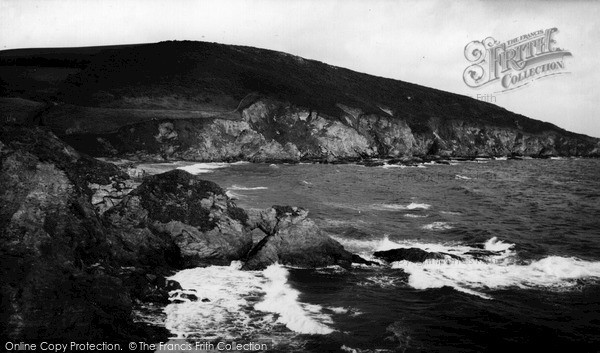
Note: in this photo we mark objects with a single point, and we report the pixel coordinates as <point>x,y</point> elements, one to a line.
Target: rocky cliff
<point>212,102</point>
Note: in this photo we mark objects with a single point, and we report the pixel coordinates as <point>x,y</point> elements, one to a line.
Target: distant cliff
<point>212,102</point>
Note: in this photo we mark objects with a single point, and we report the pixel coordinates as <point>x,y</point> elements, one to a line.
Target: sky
<point>416,41</point>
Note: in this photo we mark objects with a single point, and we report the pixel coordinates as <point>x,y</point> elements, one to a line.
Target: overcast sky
<point>417,41</point>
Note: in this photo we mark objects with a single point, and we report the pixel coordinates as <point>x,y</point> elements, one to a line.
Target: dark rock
<point>356,259</point>
<point>172,285</point>
<point>205,300</point>
<point>372,163</point>
<point>149,288</point>
<point>58,278</point>
<point>412,255</point>
<point>481,254</point>
<point>189,296</point>
<point>293,239</point>
<point>178,219</point>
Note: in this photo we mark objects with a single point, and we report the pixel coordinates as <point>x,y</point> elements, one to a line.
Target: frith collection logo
<point>516,62</point>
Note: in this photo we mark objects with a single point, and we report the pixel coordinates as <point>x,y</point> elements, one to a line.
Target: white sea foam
<point>229,290</point>
<point>388,207</point>
<point>380,281</point>
<point>241,303</point>
<point>395,207</point>
<point>437,226</point>
<point>461,177</point>
<point>414,215</point>
<point>280,298</point>
<point>471,276</point>
<point>234,195</point>
<point>499,270</point>
<point>414,206</point>
<point>202,168</point>
<point>242,188</point>
<point>338,310</point>
<point>384,243</point>
<point>493,244</point>
<point>388,166</point>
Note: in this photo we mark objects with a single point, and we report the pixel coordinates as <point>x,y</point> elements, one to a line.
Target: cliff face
<point>212,102</point>
<point>270,130</point>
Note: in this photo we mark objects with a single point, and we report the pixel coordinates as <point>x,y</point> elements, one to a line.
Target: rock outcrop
<point>293,239</point>
<point>182,219</point>
<point>58,279</point>
<point>413,255</point>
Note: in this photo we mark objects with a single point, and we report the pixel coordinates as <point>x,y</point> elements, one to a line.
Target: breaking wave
<point>233,303</point>
<point>438,226</point>
<point>492,265</point>
<point>394,207</point>
<point>203,168</point>
<point>242,188</point>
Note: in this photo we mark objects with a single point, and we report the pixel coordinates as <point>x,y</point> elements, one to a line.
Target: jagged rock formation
<point>211,102</point>
<point>178,211</point>
<point>293,239</point>
<point>58,278</point>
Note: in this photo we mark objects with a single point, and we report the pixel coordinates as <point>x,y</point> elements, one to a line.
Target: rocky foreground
<point>82,245</point>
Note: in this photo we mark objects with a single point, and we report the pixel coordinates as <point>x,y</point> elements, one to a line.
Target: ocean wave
<point>280,298</point>
<point>470,276</point>
<point>414,215</point>
<point>415,206</point>
<point>240,304</point>
<point>242,188</point>
<point>380,281</point>
<point>394,207</point>
<point>338,310</point>
<point>451,213</point>
<point>229,292</point>
<point>202,168</point>
<point>493,244</point>
<point>498,268</point>
<point>461,177</point>
<point>388,166</point>
<point>437,226</point>
<point>233,195</point>
<point>385,243</point>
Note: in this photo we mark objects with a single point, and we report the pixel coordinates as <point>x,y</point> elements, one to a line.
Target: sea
<point>537,289</point>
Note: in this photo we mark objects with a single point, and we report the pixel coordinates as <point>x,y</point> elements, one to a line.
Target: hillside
<point>208,101</point>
